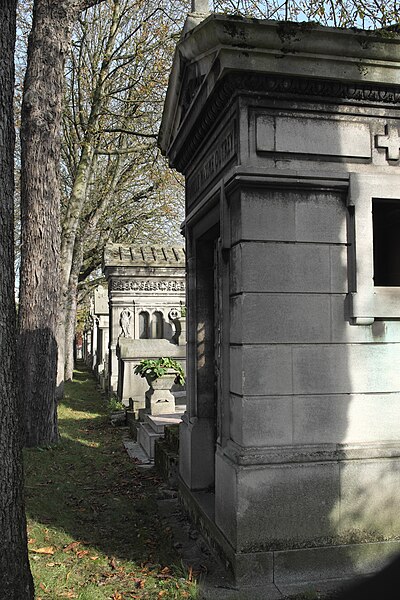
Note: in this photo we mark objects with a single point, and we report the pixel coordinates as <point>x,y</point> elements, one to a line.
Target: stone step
<point>159,422</point>
<point>147,438</point>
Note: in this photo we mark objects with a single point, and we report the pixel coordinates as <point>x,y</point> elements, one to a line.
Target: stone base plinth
<point>152,429</point>
<point>290,567</point>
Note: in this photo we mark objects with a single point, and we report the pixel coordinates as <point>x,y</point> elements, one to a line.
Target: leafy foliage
<point>115,180</point>
<point>154,368</point>
<point>114,404</point>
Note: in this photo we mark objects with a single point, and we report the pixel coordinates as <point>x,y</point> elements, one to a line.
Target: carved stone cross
<point>200,6</point>
<point>390,141</point>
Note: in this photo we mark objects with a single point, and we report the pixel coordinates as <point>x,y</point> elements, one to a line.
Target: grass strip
<point>93,526</point>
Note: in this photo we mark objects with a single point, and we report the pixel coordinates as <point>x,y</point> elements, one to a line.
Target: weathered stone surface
<point>261,370</point>
<point>294,392</point>
<point>359,368</point>
<point>346,418</point>
<point>280,318</point>
<point>300,216</point>
<point>261,507</point>
<point>274,267</point>
<point>196,462</point>
<point>313,136</point>
<point>261,421</point>
<point>327,563</point>
<point>369,491</point>
<point>101,301</point>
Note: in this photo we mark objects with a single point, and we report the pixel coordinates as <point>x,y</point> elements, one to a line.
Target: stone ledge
<point>353,560</point>
<point>308,453</point>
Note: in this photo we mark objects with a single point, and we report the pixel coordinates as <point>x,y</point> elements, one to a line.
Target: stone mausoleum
<point>100,334</point>
<point>146,288</point>
<point>288,137</point>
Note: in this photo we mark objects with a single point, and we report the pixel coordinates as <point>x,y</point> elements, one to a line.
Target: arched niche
<point>144,325</point>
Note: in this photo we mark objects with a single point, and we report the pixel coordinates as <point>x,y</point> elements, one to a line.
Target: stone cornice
<point>280,87</point>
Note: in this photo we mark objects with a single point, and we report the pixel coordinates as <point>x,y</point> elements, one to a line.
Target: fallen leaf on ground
<point>82,553</point>
<point>43,587</point>
<point>31,541</point>
<point>71,546</point>
<point>47,550</point>
<point>116,596</point>
<point>93,557</point>
<point>140,583</point>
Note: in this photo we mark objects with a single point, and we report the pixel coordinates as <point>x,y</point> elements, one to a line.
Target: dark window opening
<point>144,325</point>
<point>157,326</point>
<point>386,236</point>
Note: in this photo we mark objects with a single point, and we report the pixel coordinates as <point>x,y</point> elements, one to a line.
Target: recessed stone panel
<point>265,132</point>
<point>321,137</point>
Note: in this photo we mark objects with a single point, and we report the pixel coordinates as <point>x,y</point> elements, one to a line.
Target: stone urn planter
<point>159,399</point>
<point>161,374</point>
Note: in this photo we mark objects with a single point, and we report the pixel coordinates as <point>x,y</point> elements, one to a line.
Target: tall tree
<point>41,115</point>
<point>16,580</point>
<point>115,182</point>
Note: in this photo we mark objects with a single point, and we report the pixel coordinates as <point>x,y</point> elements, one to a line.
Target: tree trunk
<point>71,307</point>
<point>16,580</point>
<point>70,333</point>
<point>40,217</point>
<point>42,297</point>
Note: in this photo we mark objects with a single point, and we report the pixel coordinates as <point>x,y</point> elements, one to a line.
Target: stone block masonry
<point>288,137</point>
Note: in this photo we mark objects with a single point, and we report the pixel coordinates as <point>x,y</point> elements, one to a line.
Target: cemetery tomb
<point>146,287</point>
<point>288,138</point>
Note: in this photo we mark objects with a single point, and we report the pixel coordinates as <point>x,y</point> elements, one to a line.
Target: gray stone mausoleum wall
<point>288,137</point>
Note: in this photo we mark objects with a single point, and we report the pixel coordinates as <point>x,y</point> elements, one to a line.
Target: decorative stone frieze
<point>133,285</point>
